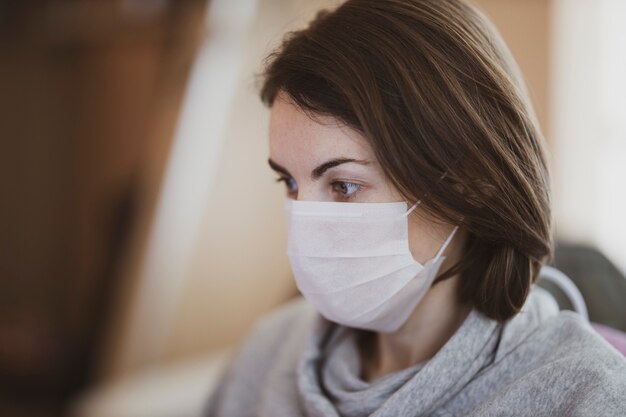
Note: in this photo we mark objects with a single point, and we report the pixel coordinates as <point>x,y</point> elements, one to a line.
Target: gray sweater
<point>540,363</point>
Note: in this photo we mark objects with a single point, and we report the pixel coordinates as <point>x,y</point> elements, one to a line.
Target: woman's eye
<point>346,189</point>
<point>290,183</point>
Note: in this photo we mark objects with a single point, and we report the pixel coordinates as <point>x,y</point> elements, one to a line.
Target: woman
<point>419,217</point>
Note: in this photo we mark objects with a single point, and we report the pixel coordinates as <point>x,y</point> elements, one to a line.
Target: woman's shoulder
<point>573,337</point>
<point>569,362</point>
<point>583,352</point>
<point>542,329</point>
<point>279,332</point>
<point>294,313</point>
<point>566,338</point>
<point>270,351</point>
<point>557,358</point>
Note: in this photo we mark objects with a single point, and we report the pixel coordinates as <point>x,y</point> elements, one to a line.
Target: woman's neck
<point>431,324</point>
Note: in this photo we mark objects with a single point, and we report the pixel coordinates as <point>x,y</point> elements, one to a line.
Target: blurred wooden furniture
<point>89,94</point>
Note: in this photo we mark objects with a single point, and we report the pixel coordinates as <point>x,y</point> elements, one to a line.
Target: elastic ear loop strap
<point>447,242</point>
<point>411,209</point>
<point>419,201</point>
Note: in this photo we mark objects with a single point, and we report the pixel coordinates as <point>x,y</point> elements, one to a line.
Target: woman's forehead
<point>296,138</point>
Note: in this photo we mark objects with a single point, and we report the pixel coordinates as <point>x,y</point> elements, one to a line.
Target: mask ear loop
<point>411,209</point>
<point>419,201</point>
<point>447,242</point>
<point>449,238</point>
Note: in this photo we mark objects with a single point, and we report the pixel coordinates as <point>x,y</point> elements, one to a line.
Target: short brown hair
<point>432,87</point>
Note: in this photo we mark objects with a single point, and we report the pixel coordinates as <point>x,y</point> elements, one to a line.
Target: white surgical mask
<point>352,261</point>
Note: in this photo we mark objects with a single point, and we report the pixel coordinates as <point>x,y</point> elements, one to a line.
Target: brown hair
<point>432,87</point>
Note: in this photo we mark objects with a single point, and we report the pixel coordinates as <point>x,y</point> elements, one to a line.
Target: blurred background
<point>141,231</point>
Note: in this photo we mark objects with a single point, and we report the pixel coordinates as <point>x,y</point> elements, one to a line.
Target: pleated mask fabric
<point>352,261</point>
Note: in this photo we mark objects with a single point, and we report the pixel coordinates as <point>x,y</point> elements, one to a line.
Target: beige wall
<point>240,270</point>
<point>525,27</point>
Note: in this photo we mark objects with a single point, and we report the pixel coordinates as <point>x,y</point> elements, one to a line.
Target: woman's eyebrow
<point>321,169</point>
<point>278,168</point>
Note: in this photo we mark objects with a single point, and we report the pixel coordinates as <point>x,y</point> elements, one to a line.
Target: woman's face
<point>323,160</point>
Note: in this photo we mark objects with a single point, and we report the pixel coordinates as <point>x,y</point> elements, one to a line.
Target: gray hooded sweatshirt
<point>542,362</point>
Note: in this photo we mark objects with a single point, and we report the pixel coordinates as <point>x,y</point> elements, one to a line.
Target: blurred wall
<point>187,303</point>
<point>589,128</point>
<point>240,269</point>
<point>526,26</point>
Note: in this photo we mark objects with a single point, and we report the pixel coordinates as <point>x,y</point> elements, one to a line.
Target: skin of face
<point>298,145</point>
<point>301,144</point>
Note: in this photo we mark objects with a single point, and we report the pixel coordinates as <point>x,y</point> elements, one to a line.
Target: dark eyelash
<point>285,179</point>
<point>282,179</point>
<point>334,184</point>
